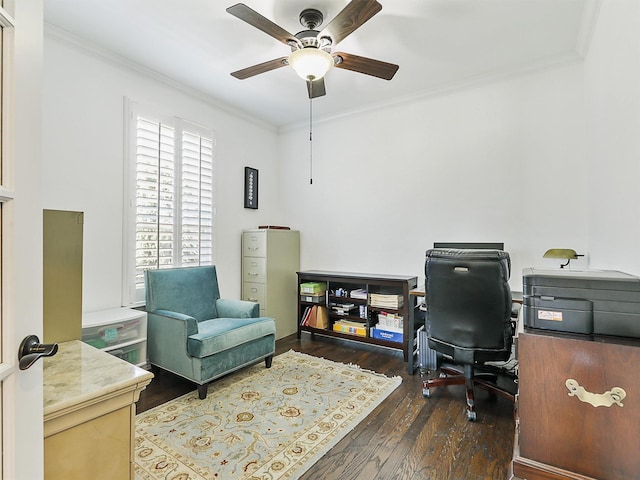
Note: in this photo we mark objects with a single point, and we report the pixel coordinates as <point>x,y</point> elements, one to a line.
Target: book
<point>390,320</point>
<point>360,293</point>
<point>343,308</point>
<point>305,316</point>
<point>317,317</point>
<point>381,300</point>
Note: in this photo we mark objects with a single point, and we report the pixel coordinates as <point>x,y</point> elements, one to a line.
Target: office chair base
<point>452,376</point>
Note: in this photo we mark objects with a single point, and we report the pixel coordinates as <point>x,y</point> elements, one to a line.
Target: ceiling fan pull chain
<point>311,134</point>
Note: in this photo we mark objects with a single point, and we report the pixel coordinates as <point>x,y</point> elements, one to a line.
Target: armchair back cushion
<point>191,291</point>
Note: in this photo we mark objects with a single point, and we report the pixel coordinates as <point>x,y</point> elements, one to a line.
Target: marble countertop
<point>80,373</point>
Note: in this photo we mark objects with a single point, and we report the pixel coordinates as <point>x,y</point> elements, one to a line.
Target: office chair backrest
<point>469,304</point>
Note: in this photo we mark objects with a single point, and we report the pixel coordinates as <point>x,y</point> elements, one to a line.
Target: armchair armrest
<point>237,308</point>
<point>167,336</point>
<point>182,325</point>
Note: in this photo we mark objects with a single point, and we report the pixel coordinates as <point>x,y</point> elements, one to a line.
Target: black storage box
<point>600,302</point>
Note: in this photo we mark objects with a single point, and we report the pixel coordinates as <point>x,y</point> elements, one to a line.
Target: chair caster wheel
<point>471,416</point>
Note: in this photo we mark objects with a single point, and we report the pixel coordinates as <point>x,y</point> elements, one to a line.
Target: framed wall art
<point>250,188</point>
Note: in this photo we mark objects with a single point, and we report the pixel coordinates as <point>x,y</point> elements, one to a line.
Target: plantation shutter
<point>155,196</point>
<point>174,198</point>
<point>197,200</point>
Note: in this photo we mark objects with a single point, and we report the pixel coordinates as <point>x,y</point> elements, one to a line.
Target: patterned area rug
<point>258,423</point>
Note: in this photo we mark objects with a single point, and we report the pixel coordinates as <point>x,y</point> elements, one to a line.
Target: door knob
<point>31,350</point>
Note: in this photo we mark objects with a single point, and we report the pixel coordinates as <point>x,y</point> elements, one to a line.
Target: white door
<point>20,236</point>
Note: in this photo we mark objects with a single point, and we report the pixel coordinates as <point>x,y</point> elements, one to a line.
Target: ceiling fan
<point>311,50</point>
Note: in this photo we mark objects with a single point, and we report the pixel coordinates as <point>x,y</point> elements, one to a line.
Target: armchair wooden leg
<point>268,360</point>
<point>202,391</point>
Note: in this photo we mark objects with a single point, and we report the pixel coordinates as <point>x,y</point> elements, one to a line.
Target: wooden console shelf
<point>365,312</point>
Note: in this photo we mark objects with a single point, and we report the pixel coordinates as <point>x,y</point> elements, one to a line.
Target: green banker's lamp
<point>566,253</point>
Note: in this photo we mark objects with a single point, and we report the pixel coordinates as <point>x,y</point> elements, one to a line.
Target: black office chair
<point>468,317</point>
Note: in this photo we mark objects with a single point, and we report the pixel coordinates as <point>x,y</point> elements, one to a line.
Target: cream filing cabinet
<point>270,262</point>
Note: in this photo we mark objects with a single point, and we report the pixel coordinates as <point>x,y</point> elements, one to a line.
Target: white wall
<point>498,162</point>
<point>613,140</point>
<point>544,160</point>
<point>83,161</point>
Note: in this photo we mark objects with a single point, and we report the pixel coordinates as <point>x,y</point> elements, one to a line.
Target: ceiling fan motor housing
<point>308,39</point>
<point>311,18</point>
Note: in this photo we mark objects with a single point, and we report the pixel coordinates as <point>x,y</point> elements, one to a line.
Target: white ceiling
<point>438,44</point>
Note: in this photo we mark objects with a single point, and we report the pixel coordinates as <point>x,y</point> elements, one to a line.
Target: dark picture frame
<point>250,187</point>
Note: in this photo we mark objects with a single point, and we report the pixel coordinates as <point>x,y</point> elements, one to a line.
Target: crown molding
<point>108,56</point>
<point>444,89</point>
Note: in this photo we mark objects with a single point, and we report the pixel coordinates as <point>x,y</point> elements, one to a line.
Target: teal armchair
<point>194,333</point>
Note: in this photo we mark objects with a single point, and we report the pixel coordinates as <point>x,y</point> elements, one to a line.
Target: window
<point>171,197</point>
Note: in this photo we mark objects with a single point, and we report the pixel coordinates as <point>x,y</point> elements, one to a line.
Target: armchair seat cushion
<point>220,334</point>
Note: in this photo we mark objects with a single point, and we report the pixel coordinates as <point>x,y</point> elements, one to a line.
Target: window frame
<point>133,295</point>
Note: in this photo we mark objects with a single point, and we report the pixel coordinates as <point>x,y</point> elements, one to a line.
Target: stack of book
<point>390,320</point>
<point>343,308</point>
<point>360,293</point>
<point>382,300</point>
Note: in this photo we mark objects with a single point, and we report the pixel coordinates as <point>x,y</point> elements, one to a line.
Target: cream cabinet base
<point>89,414</point>
<point>98,449</point>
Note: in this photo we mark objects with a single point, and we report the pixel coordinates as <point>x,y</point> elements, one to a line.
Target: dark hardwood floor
<point>407,436</point>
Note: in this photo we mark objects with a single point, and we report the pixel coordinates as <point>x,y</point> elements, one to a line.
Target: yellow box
<point>350,328</point>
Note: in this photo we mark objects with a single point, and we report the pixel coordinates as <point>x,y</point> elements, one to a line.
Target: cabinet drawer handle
<point>253,274</point>
<point>606,399</point>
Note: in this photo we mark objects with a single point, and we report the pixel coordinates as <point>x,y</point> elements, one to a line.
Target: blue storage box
<point>387,335</point>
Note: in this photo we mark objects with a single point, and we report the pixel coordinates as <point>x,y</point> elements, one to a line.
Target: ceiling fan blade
<point>316,88</point>
<point>260,68</point>
<point>253,18</point>
<point>368,66</point>
<point>356,13</point>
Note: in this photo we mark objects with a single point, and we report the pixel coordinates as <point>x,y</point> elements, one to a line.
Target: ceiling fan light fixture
<point>311,63</point>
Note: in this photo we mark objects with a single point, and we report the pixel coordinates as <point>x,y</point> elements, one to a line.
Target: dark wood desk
<point>560,434</point>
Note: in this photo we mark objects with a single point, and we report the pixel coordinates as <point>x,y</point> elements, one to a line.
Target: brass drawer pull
<point>606,399</point>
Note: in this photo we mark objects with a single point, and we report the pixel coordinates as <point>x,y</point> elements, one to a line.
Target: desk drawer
<point>558,378</point>
<point>254,270</point>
